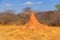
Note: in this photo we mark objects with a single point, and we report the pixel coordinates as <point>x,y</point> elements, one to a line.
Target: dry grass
<point>17,33</point>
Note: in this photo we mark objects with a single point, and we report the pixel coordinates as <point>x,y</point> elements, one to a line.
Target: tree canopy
<point>58,7</point>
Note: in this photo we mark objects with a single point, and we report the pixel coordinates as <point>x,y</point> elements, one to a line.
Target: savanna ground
<point>17,33</point>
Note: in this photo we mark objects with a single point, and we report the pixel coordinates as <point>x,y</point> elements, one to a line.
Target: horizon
<point>18,5</point>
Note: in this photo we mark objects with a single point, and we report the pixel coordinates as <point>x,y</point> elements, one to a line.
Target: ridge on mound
<point>33,23</point>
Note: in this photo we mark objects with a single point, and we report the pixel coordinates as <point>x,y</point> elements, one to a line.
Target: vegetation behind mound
<point>9,17</point>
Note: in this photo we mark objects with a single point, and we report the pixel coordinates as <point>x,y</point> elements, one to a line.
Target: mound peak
<point>33,23</point>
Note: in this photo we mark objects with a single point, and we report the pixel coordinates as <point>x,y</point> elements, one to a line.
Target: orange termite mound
<point>33,23</point>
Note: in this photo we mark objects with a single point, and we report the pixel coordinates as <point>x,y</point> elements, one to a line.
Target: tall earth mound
<point>33,23</point>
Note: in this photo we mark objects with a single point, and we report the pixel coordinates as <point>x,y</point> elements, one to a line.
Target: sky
<point>19,5</point>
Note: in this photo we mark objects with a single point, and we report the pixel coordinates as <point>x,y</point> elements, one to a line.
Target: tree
<point>58,7</point>
<point>27,9</point>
